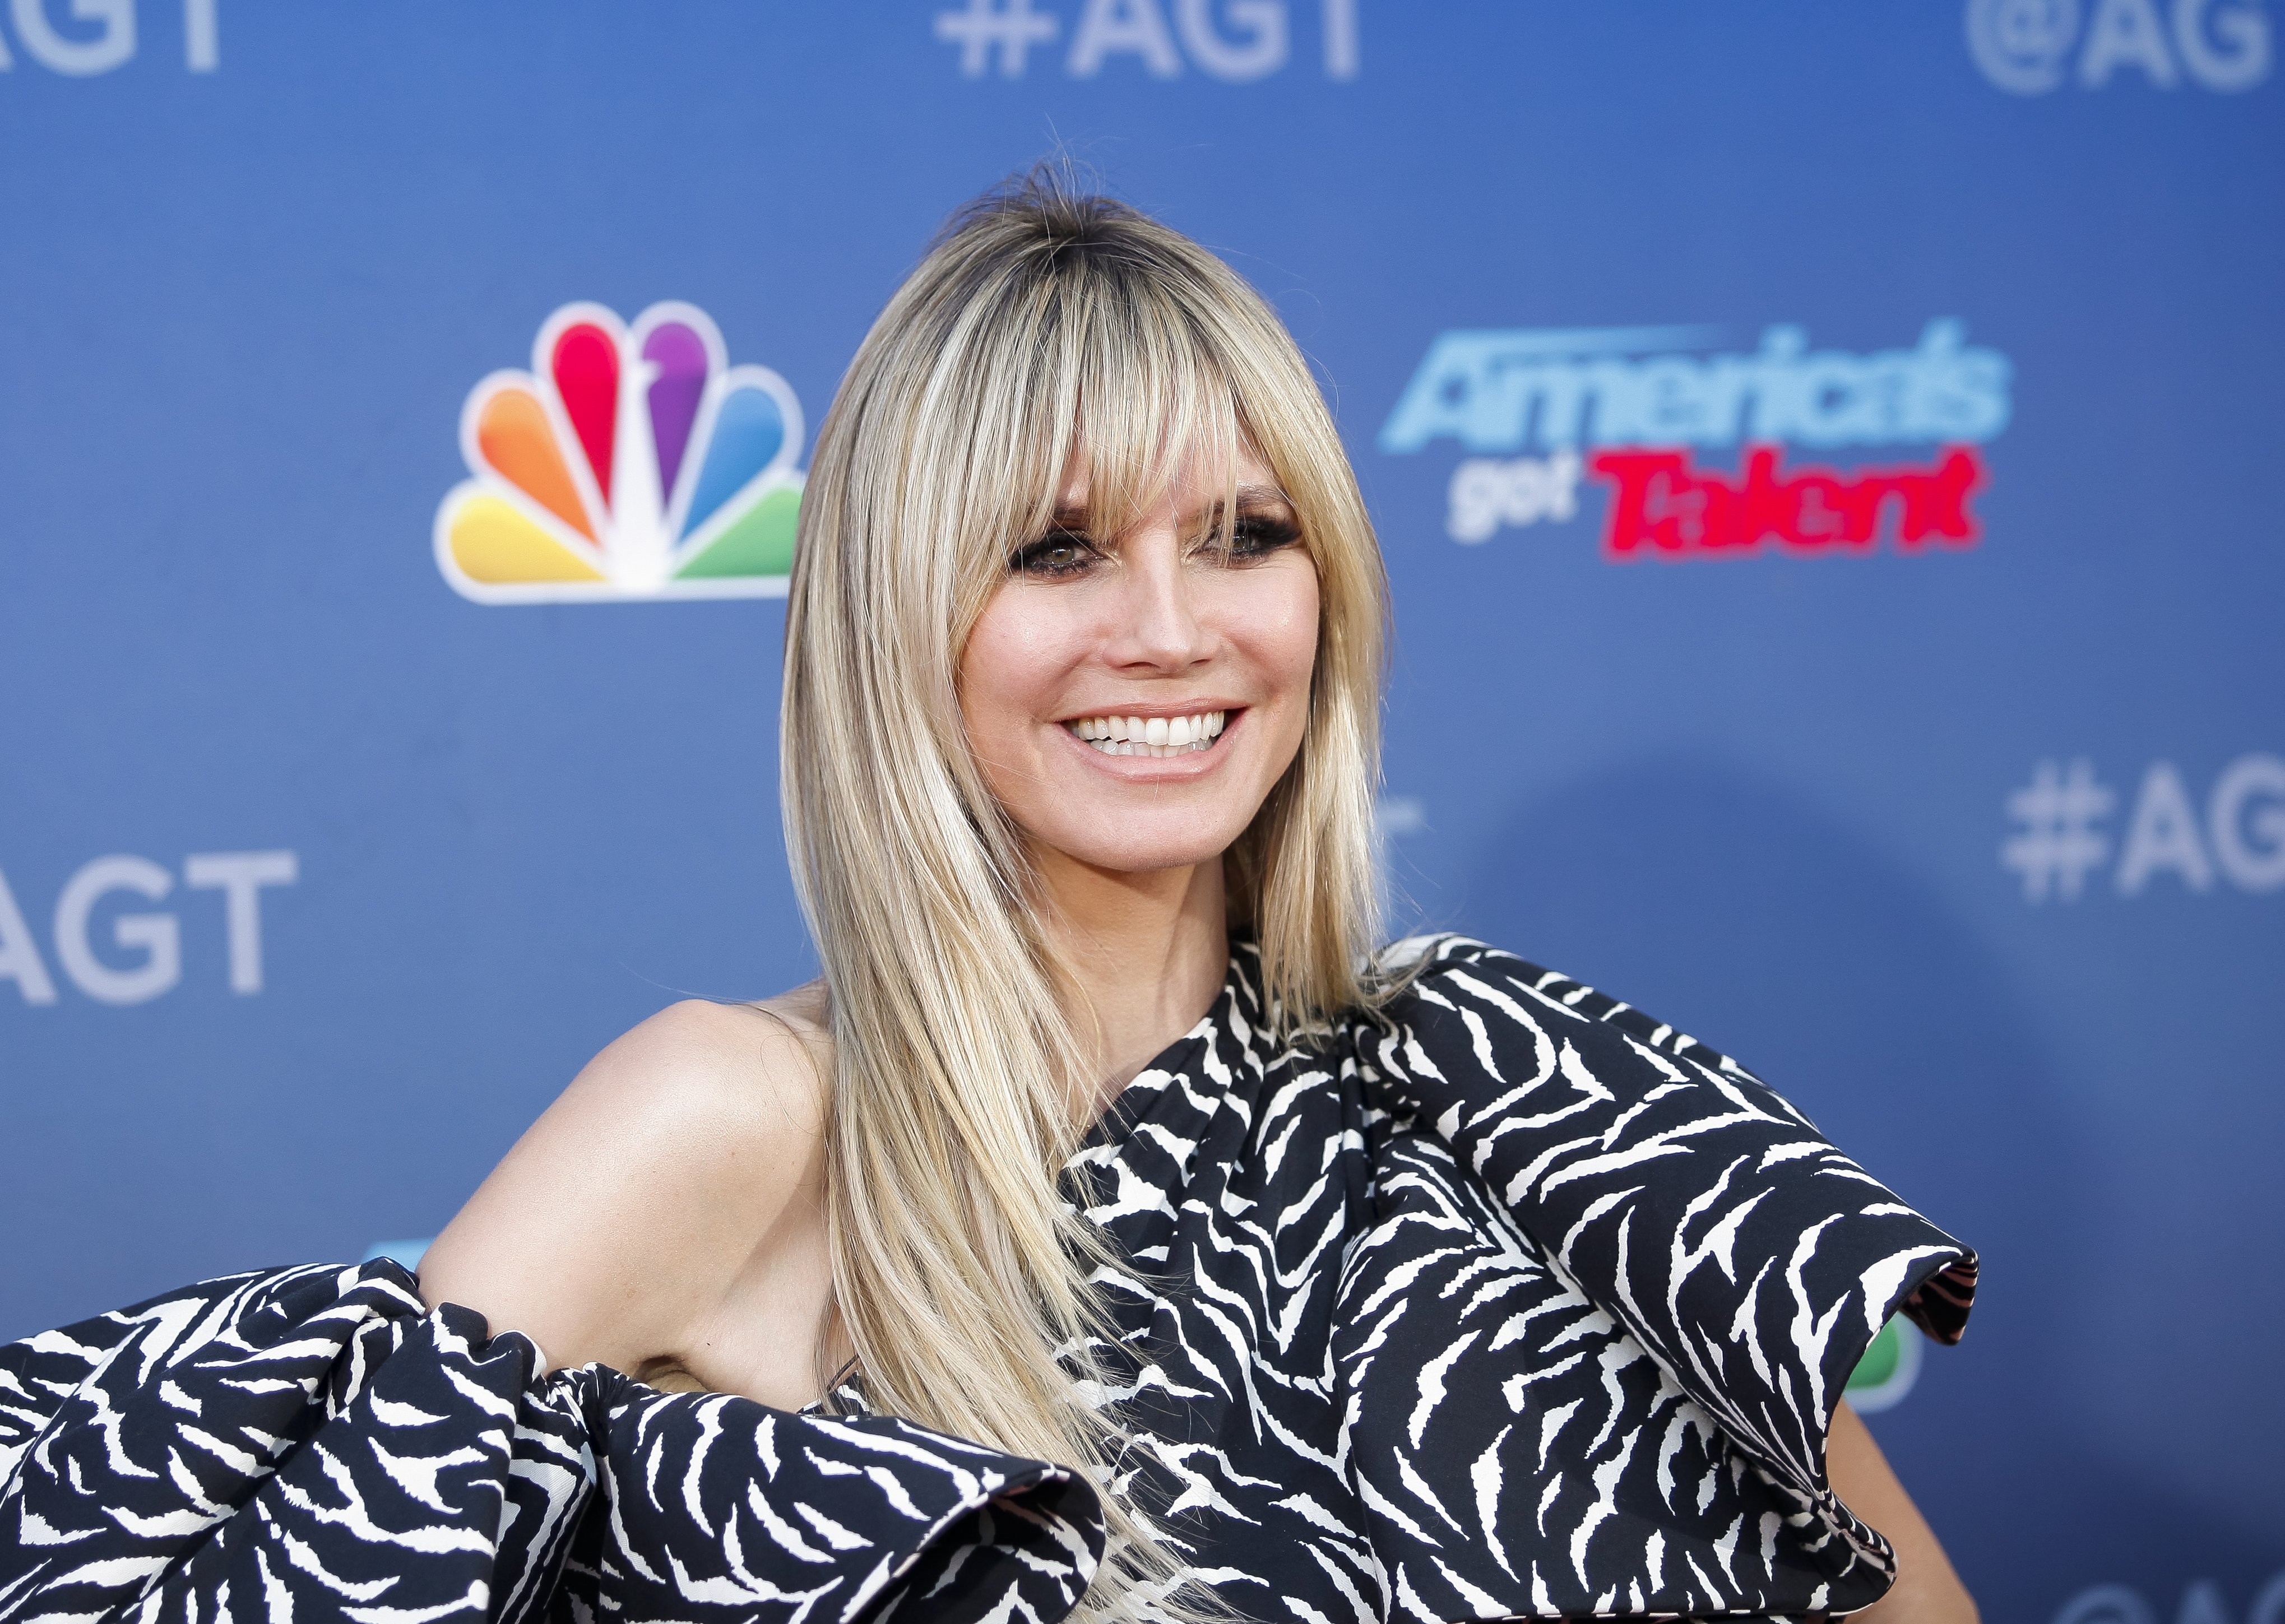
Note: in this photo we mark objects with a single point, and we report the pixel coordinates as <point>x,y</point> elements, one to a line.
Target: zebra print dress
<point>1513,1302</point>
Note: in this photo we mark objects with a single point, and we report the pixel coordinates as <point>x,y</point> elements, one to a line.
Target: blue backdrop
<point>1825,454</point>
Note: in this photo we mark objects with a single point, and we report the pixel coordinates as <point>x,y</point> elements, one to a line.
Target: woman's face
<point>1132,698</point>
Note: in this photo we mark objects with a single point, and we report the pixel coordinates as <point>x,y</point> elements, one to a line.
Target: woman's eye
<point>1255,537</point>
<point>1054,555</point>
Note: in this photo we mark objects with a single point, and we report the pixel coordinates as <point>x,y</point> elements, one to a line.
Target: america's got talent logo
<point>1637,408</point>
<point>631,462</point>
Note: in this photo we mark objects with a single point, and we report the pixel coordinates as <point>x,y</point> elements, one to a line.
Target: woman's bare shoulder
<point>619,1222</point>
<point>703,1066</point>
<point>700,1085</point>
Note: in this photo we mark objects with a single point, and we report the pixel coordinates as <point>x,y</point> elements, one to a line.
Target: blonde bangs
<point>1092,360</point>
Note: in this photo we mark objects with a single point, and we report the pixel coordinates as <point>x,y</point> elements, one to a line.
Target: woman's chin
<point>1141,851</point>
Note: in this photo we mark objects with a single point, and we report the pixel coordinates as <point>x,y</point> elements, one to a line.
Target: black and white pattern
<point>1514,1302</point>
<point>314,1443</point>
<point>1524,1304</point>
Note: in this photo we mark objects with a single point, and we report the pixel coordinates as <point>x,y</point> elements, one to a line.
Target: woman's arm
<point>1927,1590</point>
<point>666,1211</point>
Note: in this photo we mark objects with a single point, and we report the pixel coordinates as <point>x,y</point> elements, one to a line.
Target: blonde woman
<point>1111,1231</point>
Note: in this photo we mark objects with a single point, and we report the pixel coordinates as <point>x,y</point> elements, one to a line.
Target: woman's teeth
<point>1158,736</point>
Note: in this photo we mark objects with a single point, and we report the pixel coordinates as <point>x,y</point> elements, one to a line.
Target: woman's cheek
<point>1008,665</point>
<point>1293,652</point>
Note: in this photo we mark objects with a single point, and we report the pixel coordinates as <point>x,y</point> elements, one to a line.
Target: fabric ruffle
<point>315,1442</point>
<point>1671,1248</point>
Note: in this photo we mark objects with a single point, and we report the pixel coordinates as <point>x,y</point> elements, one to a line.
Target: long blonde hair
<point>1042,320</point>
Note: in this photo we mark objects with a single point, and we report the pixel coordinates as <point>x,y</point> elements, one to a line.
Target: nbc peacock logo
<point>631,462</point>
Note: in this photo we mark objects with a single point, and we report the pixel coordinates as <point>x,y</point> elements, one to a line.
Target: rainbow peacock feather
<point>631,462</point>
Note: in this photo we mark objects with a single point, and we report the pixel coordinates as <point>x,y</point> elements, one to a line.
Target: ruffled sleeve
<point>317,1440</point>
<point>1674,1190</point>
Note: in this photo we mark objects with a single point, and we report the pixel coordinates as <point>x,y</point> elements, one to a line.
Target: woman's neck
<point>1146,952</point>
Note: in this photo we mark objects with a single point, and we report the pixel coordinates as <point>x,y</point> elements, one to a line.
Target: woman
<point>1107,1194</point>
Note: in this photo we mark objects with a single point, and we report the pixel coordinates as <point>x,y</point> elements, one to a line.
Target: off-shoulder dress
<point>1511,1301</point>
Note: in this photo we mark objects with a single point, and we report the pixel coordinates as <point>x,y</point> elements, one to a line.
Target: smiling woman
<point>1133,702</point>
<point>1117,1229</point>
<point>1190,639</point>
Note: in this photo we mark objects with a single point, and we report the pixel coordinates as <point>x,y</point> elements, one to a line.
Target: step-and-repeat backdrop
<point>1826,456</point>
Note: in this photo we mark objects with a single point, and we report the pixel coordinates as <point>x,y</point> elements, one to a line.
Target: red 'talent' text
<point>1665,507</point>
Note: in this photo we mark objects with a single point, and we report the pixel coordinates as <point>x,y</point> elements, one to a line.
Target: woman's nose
<point>1159,619</point>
